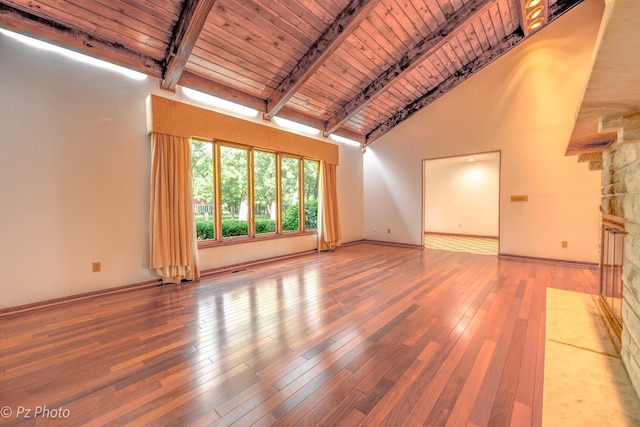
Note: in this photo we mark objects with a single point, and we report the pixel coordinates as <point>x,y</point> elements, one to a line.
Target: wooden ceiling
<point>355,68</point>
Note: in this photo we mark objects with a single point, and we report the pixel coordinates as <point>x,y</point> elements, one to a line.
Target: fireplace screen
<point>613,233</point>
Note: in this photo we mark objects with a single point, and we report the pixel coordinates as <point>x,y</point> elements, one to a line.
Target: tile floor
<point>474,245</point>
<point>585,383</point>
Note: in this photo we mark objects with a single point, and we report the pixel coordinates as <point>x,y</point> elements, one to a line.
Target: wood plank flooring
<point>368,334</point>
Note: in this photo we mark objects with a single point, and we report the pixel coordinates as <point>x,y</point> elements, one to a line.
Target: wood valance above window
<point>167,116</point>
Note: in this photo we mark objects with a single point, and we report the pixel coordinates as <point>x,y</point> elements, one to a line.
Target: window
<point>203,184</point>
<point>234,191</point>
<point>265,207</point>
<point>240,191</point>
<point>311,171</point>
<point>290,190</point>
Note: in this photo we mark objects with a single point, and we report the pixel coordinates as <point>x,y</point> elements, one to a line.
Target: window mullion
<point>217,190</point>
<point>278,193</point>
<point>251,194</point>
<point>301,216</point>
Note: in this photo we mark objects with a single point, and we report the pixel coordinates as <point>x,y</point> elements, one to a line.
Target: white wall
<point>74,180</point>
<point>350,193</point>
<point>523,105</point>
<point>461,196</point>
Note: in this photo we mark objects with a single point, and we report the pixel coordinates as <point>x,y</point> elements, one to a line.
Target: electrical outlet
<point>564,243</point>
<point>388,231</point>
<point>96,267</point>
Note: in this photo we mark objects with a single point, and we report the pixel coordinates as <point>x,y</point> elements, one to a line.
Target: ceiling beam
<point>557,10</point>
<point>560,7</point>
<point>76,40</point>
<point>192,20</point>
<point>448,84</point>
<point>205,85</point>
<point>346,21</point>
<point>210,87</point>
<point>227,93</point>
<point>411,59</point>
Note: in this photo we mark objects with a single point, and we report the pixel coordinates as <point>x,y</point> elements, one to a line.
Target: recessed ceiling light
<point>532,3</point>
<point>470,159</point>
<point>535,24</point>
<point>534,13</point>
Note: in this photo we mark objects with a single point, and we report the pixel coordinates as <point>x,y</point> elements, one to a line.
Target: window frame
<point>252,236</point>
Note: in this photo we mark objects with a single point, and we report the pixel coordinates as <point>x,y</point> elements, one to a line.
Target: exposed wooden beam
<point>561,7</point>
<point>210,87</point>
<point>76,40</point>
<point>192,20</point>
<point>305,119</point>
<point>557,10</point>
<point>207,86</point>
<point>346,21</point>
<point>451,82</point>
<point>411,59</point>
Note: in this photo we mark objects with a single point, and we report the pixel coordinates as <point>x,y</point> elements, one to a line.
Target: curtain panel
<point>329,232</point>
<point>173,244</point>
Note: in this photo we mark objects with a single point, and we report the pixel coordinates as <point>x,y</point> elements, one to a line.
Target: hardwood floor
<point>368,334</point>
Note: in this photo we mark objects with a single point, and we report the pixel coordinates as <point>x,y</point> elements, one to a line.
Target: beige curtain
<point>174,250</point>
<point>329,234</point>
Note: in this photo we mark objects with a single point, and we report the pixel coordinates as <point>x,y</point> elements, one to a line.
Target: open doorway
<point>461,203</point>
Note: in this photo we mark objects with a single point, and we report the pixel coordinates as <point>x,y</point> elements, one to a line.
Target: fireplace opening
<point>611,260</point>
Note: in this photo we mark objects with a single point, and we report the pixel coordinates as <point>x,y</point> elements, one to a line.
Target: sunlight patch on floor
<point>474,245</point>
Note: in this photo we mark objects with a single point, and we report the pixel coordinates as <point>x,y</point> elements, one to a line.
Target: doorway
<point>461,208</point>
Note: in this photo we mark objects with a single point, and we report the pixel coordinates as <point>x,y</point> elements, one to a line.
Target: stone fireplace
<point>606,133</point>
<point>621,198</point>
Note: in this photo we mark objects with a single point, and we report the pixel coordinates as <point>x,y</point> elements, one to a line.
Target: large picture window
<point>241,191</point>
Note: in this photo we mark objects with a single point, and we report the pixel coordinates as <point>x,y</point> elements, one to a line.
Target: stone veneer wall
<point>621,197</point>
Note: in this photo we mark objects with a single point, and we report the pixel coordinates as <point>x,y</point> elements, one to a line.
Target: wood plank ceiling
<point>354,68</point>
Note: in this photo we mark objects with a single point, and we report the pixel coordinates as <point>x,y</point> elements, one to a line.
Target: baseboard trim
<point>7,311</point>
<point>549,260</point>
<point>230,268</point>
<point>18,309</point>
<point>239,266</point>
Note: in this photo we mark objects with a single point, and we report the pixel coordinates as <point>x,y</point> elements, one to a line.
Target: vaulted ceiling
<point>354,68</point>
